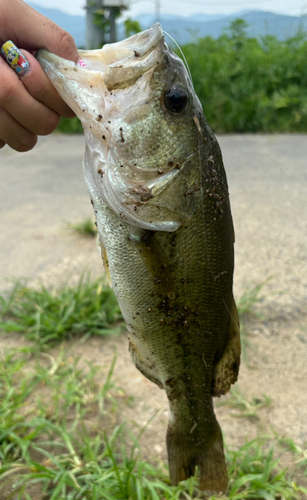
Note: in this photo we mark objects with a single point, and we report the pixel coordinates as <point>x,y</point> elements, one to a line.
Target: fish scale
<point>156,179</point>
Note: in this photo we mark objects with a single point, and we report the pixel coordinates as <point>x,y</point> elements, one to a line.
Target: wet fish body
<point>156,179</point>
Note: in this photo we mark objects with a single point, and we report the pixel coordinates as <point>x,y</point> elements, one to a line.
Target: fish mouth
<point>115,66</point>
<point>125,61</point>
<point>109,90</point>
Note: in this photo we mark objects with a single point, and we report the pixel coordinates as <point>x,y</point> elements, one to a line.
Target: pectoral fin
<point>227,368</point>
<point>155,260</point>
<point>103,255</point>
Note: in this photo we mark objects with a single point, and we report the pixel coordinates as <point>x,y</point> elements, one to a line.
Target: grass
<point>48,315</point>
<point>45,440</point>
<point>299,453</point>
<point>86,227</point>
<point>252,295</point>
<point>60,426</point>
<point>246,409</point>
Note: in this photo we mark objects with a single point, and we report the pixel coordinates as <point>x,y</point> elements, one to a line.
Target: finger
<point>30,29</point>
<point>13,134</point>
<point>34,78</point>
<point>16,100</point>
<point>40,87</point>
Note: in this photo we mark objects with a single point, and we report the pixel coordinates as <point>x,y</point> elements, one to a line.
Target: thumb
<point>29,29</point>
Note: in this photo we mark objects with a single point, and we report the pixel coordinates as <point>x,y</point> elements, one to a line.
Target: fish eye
<point>176,98</point>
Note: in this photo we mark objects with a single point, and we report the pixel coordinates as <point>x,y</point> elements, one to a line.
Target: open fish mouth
<point>117,92</point>
<point>114,66</point>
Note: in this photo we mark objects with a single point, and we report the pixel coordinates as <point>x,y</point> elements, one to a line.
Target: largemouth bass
<point>156,179</point>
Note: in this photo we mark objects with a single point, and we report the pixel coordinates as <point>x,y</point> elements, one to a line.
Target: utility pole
<point>106,33</point>
<point>93,32</point>
<point>112,25</point>
<point>157,2</point>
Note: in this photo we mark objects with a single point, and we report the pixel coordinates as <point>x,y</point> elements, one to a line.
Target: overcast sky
<point>189,7</point>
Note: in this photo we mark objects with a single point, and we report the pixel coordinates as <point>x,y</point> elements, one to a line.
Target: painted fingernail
<point>15,58</point>
<point>82,64</point>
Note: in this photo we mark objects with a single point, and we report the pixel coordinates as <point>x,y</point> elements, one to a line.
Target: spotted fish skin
<point>160,196</point>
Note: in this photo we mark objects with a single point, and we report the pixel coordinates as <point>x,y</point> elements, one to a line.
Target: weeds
<point>85,227</point>
<point>247,409</point>
<point>299,453</point>
<point>58,452</point>
<point>59,423</point>
<point>254,474</point>
<point>50,315</point>
<point>251,297</point>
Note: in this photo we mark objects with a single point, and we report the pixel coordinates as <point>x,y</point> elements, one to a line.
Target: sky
<point>189,7</point>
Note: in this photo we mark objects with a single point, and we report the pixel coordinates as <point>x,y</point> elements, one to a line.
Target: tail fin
<point>187,451</point>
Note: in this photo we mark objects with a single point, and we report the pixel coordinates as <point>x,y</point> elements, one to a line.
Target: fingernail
<point>15,58</point>
<point>82,64</point>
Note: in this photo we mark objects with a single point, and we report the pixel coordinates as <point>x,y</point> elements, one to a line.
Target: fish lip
<point>129,53</point>
<point>137,45</point>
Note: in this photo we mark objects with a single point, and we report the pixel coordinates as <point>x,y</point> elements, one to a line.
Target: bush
<point>70,126</point>
<point>249,84</point>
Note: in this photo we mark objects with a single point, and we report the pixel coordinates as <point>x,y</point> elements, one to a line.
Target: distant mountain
<point>149,19</point>
<point>186,29</point>
<point>205,17</point>
<point>75,25</point>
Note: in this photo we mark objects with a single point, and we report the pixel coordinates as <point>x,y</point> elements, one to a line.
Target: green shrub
<point>249,84</point>
<point>70,126</point>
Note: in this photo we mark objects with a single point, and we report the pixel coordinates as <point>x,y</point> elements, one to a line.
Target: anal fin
<point>142,364</point>
<point>227,368</point>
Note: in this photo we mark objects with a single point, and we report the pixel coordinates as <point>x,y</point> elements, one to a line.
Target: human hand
<point>29,104</point>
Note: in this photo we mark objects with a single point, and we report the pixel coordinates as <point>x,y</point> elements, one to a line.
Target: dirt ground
<point>268,187</point>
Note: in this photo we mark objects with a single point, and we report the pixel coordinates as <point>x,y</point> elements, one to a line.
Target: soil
<point>268,187</point>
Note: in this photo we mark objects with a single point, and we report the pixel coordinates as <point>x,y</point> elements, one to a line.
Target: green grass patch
<point>49,315</point>
<point>60,427</point>
<point>85,227</point>
<point>299,453</point>
<point>245,409</point>
<point>255,474</point>
<point>45,440</point>
<point>252,296</point>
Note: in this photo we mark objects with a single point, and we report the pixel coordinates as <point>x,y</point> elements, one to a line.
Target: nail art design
<point>82,64</point>
<point>15,58</point>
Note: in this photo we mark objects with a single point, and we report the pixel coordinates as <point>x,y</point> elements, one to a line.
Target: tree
<point>131,27</point>
<point>237,28</point>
